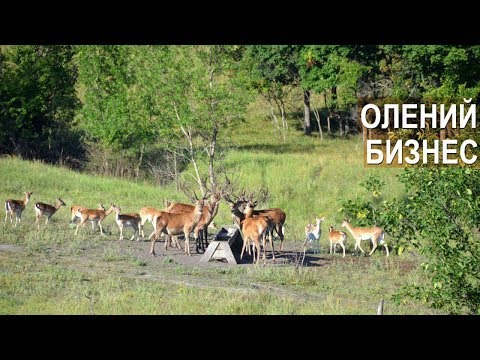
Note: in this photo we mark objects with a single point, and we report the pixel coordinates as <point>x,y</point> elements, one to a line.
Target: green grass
<point>50,271</point>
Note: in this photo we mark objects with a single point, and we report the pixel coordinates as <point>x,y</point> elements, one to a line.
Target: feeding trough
<point>220,248</point>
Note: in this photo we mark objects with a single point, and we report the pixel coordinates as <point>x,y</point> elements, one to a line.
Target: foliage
<point>444,206</point>
<point>38,102</point>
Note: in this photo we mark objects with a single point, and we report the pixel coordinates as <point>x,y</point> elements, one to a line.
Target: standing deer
<point>256,227</point>
<point>336,237</point>
<point>276,215</point>
<point>93,215</point>
<point>312,235</point>
<point>176,224</point>
<point>127,220</point>
<point>209,211</point>
<point>376,234</point>
<point>47,210</point>
<point>17,207</point>
<point>75,208</point>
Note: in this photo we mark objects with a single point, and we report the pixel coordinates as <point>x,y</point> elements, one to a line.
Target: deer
<point>17,207</point>
<point>209,211</point>
<point>276,215</point>
<point>148,214</point>
<point>336,237</point>
<point>47,210</point>
<point>94,216</point>
<point>75,208</point>
<point>256,227</point>
<point>176,224</point>
<point>312,234</point>
<point>127,220</point>
<point>375,234</point>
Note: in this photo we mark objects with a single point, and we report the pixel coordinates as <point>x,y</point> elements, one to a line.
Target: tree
<point>273,69</point>
<point>38,102</point>
<point>204,91</point>
<point>444,207</point>
<point>118,87</point>
<point>330,68</point>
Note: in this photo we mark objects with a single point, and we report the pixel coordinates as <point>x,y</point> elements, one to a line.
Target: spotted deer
<point>127,220</point>
<point>16,207</point>
<point>47,210</point>
<point>336,237</point>
<point>312,235</point>
<point>93,215</point>
<point>375,234</point>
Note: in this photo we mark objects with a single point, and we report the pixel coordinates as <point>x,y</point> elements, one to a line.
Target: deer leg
<point>270,239</point>
<point>343,247</point>
<point>386,248</point>
<point>331,246</point>
<point>374,242</point>
<point>80,224</point>
<point>121,232</point>
<point>358,244</point>
<point>154,239</point>
<point>257,246</point>
<point>187,243</point>
<point>243,248</point>
<point>198,239</point>
<point>335,248</point>
<point>100,225</point>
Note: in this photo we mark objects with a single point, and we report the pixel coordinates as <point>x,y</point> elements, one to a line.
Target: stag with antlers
<point>237,206</point>
<point>208,213</point>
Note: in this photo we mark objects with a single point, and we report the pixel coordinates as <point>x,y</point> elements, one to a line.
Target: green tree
<point>204,91</point>
<point>37,102</point>
<point>444,206</point>
<point>330,68</point>
<point>273,72</point>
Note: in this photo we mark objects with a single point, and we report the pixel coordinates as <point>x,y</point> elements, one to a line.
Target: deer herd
<point>178,219</point>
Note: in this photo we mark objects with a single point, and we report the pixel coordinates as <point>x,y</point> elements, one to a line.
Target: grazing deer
<point>376,234</point>
<point>17,207</point>
<point>312,235</point>
<point>47,210</point>
<point>176,224</point>
<point>127,220</point>
<point>276,215</point>
<point>336,237</point>
<point>93,215</point>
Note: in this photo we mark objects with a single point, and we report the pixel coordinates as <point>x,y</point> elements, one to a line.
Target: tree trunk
<point>329,129</point>
<point>211,158</point>
<point>306,102</point>
<point>317,116</point>
<point>137,170</point>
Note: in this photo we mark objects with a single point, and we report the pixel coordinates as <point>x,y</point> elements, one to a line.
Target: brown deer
<point>93,215</point>
<point>276,215</point>
<point>176,224</point>
<point>375,234</point>
<point>209,211</point>
<point>258,224</point>
<point>17,207</point>
<point>336,237</point>
<point>131,220</point>
<point>75,208</point>
<point>47,210</point>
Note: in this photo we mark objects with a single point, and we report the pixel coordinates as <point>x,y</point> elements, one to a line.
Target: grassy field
<point>52,271</point>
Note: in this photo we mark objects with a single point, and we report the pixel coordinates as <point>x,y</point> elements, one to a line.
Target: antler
<point>258,196</point>
<point>183,187</point>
